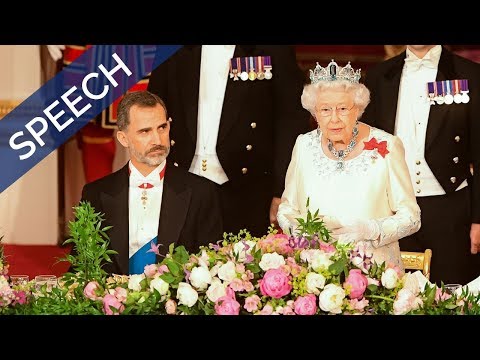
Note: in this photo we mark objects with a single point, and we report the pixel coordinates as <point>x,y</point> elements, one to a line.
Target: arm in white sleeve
<point>401,197</point>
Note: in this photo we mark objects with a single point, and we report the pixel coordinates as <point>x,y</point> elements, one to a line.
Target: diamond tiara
<point>334,72</point>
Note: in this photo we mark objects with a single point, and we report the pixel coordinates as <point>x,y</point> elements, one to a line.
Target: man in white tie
<point>149,202</point>
<point>430,98</point>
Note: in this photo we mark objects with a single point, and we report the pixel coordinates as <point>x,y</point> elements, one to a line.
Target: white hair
<point>359,92</point>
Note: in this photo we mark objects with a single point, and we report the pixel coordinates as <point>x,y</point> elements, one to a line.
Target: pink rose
<point>150,270</point>
<point>357,282</point>
<point>90,290</point>
<point>305,305</point>
<point>275,283</point>
<point>227,306</point>
<point>111,301</point>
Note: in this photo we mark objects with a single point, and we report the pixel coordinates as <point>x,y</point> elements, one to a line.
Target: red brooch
<point>381,146</point>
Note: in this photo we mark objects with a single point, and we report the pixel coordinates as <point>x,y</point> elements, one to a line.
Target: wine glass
<point>49,280</point>
<point>18,280</point>
<point>452,288</point>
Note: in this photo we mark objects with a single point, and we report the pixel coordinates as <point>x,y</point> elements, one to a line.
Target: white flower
<point>271,261</point>
<point>186,294</point>
<point>410,282</point>
<point>216,290</point>
<point>331,299</point>
<point>405,302</point>
<point>200,277</point>
<point>321,260</point>
<point>227,272</point>
<point>214,270</point>
<point>203,259</point>
<point>389,278</point>
<point>134,282</point>
<point>159,285</point>
<point>239,249</point>
<point>314,282</point>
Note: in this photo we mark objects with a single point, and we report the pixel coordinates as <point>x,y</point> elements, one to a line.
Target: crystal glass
<point>49,280</point>
<point>19,280</point>
<point>452,288</point>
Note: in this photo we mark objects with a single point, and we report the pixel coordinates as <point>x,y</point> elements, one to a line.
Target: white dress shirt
<point>412,119</point>
<point>214,69</point>
<point>143,218</point>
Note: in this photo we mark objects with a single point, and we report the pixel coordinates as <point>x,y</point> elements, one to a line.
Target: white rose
<point>239,249</point>
<point>331,299</point>
<point>159,285</point>
<point>227,272</point>
<point>200,278</point>
<point>405,302</point>
<point>271,261</point>
<point>134,282</point>
<point>186,294</point>
<point>314,282</point>
<point>216,290</point>
<point>389,278</point>
<point>321,260</point>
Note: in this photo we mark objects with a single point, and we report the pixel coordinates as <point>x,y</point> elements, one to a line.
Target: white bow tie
<point>416,64</point>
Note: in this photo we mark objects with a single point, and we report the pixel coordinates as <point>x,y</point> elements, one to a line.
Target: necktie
<point>146,185</point>
<point>416,64</point>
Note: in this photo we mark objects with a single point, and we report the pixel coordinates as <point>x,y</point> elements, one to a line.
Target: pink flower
<point>278,243</point>
<point>275,283</point>
<point>171,307</point>
<point>150,270</point>
<point>396,268</point>
<point>20,296</point>
<point>306,305</point>
<point>287,310</point>
<point>441,296</point>
<point>358,304</point>
<point>357,283</point>
<point>248,286</point>
<point>227,306</point>
<point>295,269</point>
<point>121,294</point>
<point>162,269</point>
<point>251,303</point>
<point>236,285</point>
<point>90,290</point>
<point>328,248</point>
<point>267,310</point>
<point>111,301</point>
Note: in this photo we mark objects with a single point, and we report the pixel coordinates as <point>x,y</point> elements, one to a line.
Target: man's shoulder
<point>466,65</point>
<point>106,181</point>
<point>384,66</point>
<point>192,180</point>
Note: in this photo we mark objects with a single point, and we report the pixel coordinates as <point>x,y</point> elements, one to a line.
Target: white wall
<point>29,207</point>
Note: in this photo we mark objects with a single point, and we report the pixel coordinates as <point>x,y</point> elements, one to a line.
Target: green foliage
<point>313,226</point>
<point>90,245</point>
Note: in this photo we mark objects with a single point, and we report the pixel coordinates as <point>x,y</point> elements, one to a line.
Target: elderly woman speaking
<point>354,174</point>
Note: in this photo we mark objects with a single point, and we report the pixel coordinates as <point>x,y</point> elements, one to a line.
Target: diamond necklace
<point>340,155</point>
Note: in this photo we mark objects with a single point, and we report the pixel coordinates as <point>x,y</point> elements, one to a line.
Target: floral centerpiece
<point>276,274</point>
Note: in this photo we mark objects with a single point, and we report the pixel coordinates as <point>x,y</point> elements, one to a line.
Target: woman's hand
<point>352,230</point>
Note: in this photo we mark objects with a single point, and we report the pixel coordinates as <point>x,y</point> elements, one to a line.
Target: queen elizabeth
<point>354,174</point>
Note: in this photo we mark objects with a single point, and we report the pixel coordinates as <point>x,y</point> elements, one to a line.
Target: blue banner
<point>66,103</point>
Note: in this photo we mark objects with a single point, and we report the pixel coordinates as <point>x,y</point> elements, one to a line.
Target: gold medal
<point>252,75</point>
<point>261,76</point>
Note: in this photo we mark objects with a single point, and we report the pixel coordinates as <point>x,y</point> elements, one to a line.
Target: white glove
<point>352,230</point>
<point>56,51</point>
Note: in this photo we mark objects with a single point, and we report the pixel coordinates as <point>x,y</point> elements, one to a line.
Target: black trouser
<point>246,207</point>
<point>445,229</point>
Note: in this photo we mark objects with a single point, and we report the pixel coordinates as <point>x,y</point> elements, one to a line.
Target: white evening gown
<point>369,187</point>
